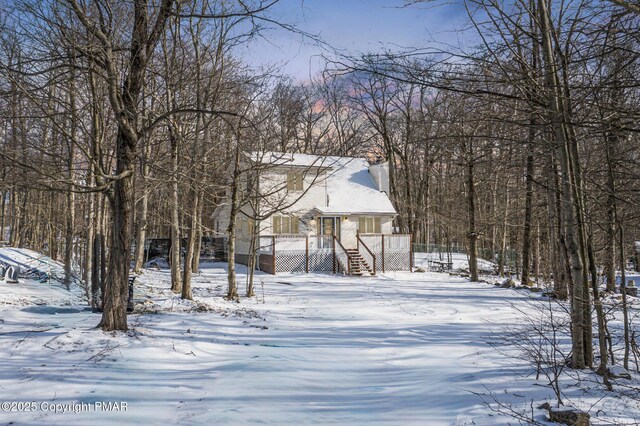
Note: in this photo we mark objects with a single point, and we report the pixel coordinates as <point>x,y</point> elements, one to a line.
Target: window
<point>285,225</point>
<point>369,225</point>
<point>240,223</point>
<point>244,225</point>
<point>295,181</point>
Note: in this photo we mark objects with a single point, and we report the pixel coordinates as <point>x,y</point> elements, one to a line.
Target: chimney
<point>380,174</point>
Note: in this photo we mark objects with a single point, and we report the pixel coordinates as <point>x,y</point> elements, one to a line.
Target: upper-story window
<point>245,225</point>
<point>369,225</point>
<point>295,181</point>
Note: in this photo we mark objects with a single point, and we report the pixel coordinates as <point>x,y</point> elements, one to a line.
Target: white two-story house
<point>312,213</point>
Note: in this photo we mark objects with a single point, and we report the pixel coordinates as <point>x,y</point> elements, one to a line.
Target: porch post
<point>382,253</point>
<point>334,254</point>
<point>410,253</point>
<point>273,252</point>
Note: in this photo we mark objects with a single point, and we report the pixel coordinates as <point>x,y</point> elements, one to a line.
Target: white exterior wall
<point>348,228</point>
<point>242,245</point>
<point>348,231</point>
<point>302,202</point>
<point>314,185</point>
<point>386,225</point>
<point>306,225</point>
<point>275,181</point>
<point>243,239</point>
<point>222,218</point>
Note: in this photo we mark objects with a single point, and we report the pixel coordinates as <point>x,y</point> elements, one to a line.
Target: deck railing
<point>321,242</point>
<point>302,253</point>
<point>372,241</point>
<point>390,242</point>
<point>294,243</point>
<point>393,251</point>
<point>290,243</point>
<point>266,244</point>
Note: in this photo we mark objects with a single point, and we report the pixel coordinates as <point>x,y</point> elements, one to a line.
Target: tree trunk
<point>610,242</point>
<point>114,316</point>
<point>571,234</point>
<point>142,225</point>
<point>70,216</point>
<point>252,264</point>
<point>3,209</point>
<point>503,243</point>
<point>528,209</point>
<point>625,307</point>
<point>602,325</point>
<point>195,264</point>
<point>191,244</point>
<point>124,99</point>
<point>232,293</point>
<point>90,234</point>
<point>176,278</point>
<point>103,257</point>
<point>96,297</point>
<point>472,234</point>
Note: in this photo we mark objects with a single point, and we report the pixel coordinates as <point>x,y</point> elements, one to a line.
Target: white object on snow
<point>11,275</point>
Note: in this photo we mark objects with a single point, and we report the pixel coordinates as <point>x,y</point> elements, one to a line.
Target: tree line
<point>122,121</point>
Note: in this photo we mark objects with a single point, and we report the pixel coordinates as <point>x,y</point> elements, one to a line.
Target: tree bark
<point>70,216</point>
<point>114,315</point>
<point>191,244</point>
<point>232,293</point>
<point>571,234</point>
<point>124,102</point>
<point>471,201</point>
<point>176,278</point>
<point>528,208</point>
<point>142,225</point>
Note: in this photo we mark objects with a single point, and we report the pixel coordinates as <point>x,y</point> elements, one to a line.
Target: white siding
<point>348,231</point>
<point>274,183</point>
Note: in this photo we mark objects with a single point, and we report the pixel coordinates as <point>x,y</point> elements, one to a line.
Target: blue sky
<point>352,26</point>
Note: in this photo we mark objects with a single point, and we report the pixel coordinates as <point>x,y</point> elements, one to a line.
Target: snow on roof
<point>289,159</point>
<point>350,187</point>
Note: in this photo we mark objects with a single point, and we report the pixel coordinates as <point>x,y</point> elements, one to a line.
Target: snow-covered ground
<point>35,265</point>
<point>400,348</point>
<point>459,261</point>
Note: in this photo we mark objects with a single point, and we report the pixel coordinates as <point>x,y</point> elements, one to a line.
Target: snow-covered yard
<point>459,261</point>
<point>402,348</point>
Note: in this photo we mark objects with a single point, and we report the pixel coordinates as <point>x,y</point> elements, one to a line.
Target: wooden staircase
<point>357,265</point>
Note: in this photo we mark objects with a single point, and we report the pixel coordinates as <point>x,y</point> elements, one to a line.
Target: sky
<point>352,26</point>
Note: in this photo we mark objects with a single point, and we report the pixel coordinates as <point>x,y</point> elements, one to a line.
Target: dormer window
<point>295,181</point>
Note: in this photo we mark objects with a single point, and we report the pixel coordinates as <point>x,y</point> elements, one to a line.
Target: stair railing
<point>368,255</point>
<point>340,256</point>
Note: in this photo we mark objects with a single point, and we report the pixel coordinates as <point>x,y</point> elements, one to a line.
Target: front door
<point>330,226</point>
